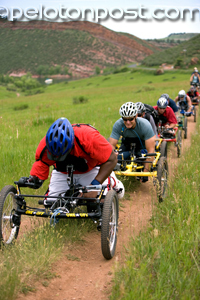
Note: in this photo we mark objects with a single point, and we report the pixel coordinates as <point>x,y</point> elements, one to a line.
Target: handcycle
<point>195,103</point>
<point>169,135</point>
<point>195,84</point>
<point>135,167</point>
<point>103,210</point>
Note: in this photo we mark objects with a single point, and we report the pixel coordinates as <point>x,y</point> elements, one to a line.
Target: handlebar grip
<point>150,154</point>
<point>93,187</point>
<point>22,182</point>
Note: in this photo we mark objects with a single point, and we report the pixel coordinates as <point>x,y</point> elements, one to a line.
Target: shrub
<point>11,87</point>
<point>21,107</point>
<point>146,88</point>
<point>80,99</point>
<point>159,72</point>
<point>179,63</point>
<point>122,70</point>
<point>34,91</point>
<point>97,70</point>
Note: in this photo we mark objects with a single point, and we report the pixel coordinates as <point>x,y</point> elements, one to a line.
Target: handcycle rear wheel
<point>109,226</point>
<point>163,149</point>
<point>162,176</point>
<point>194,113</point>
<point>179,142</point>
<point>185,128</point>
<point>8,230</point>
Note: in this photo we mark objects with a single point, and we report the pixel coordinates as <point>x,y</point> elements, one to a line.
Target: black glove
<point>144,178</point>
<point>36,182</point>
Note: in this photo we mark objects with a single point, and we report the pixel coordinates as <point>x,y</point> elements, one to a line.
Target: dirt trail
<point>90,276</point>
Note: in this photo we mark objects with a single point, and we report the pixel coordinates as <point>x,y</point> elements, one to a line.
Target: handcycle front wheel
<point>185,128</point>
<point>109,226</point>
<point>163,149</point>
<point>162,176</point>
<point>194,113</point>
<point>8,230</point>
<point>179,142</point>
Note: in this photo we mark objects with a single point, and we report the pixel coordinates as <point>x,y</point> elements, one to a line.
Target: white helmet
<point>165,95</point>
<point>181,93</point>
<point>141,108</point>
<point>162,102</point>
<point>128,109</point>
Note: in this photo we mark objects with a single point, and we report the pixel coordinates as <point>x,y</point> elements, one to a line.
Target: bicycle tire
<point>185,128</point>
<point>195,113</point>
<point>179,142</point>
<point>162,176</point>
<point>8,231</point>
<point>163,149</point>
<point>109,226</point>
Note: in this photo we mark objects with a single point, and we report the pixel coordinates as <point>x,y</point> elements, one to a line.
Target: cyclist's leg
<point>124,151</point>
<point>86,178</point>
<point>58,184</point>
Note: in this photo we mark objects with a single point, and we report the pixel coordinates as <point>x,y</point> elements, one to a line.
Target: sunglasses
<point>130,119</point>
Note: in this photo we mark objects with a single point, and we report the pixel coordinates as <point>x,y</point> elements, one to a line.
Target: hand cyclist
<point>194,95</point>
<point>166,114</point>
<point>143,114</point>
<point>195,78</point>
<point>184,103</point>
<point>79,145</point>
<point>133,130</point>
<point>171,103</point>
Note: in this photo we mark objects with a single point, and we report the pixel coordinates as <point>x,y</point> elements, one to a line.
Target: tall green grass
<point>31,257</point>
<point>163,262</point>
<point>21,131</point>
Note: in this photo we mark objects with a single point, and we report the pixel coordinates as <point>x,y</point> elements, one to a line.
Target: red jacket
<point>169,114</point>
<point>95,149</point>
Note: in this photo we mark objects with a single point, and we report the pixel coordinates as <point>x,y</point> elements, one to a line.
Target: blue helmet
<point>162,102</point>
<point>59,139</point>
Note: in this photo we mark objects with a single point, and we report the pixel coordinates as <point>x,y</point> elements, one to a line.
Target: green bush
<point>97,70</point>
<point>80,99</point>
<point>122,70</point>
<point>11,87</point>
<point>34,91</point>
<point>145,88</point>
<point>21,107</point>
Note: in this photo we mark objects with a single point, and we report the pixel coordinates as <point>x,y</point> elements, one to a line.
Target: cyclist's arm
<point>191,78</point>
<point>113,142</point>
<point>176,99</point>
<point>172,125</point>
<point>150,146</point>
<point>189,104</point>
<point>107,168</point>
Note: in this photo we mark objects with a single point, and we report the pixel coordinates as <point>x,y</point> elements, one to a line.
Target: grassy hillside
<point>171,55</point>
<point>79,46</point>
<point>25,120</point>
<point>22,50</point>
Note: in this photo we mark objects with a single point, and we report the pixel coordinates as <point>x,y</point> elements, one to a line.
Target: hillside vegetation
<point>180,36</point>
<point>171,55</point>
<point>78,45</point>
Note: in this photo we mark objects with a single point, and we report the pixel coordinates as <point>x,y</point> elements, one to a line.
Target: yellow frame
<point>131,169</point>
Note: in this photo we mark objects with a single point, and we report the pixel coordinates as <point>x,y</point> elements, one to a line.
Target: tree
<point>97,70</point>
